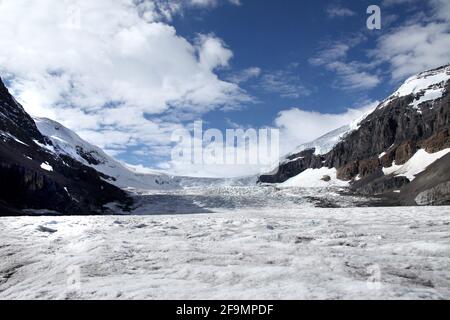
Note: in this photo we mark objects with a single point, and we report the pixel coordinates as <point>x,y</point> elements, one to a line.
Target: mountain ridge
<point>67,142</point>
<point>415,117</point>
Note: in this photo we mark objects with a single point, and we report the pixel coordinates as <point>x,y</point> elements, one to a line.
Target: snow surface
<point>312,178</point>
<point>417,164</point>
<point>423,81</point>
<point>308,253</point>
<point>392,169</point>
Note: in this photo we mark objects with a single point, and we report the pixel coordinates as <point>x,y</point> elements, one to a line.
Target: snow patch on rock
<point>10,136</point>
<point>429,95</point>
<point>314,178</point>
<point>45,166</point>
<point>423,81</point>
<point>46,147</point>
<point>417,164</point>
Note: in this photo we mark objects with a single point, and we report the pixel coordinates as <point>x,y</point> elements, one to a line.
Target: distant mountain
<point>67,143</point>
<point>35,178</point>
<point>327,142</point>
<point>393,152</point>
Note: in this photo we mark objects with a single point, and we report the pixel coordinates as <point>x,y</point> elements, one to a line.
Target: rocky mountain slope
<point>67,143</point>
<point>35,178</point>
<point>395,150</point>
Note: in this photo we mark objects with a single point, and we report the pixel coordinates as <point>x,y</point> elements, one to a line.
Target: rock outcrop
<point>438,195</point>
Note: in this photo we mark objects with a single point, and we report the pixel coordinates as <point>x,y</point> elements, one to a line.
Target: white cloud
<point>351,75</point>
<point>212,3</point>
<point>286,83</point>
<point>213,52</point>
<point>107,69</point>
<point>333,53</point>
<point>167,9</point>
<point>422,43</point>
<point>389,3</point>
<point>298,126</point>
<point>441,9</point>
<point>245,75</point>
<point>415,48</point>
<point>223,156</point>
<point>338,11</point>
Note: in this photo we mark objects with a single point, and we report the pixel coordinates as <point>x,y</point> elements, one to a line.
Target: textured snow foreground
<point>309,253</point>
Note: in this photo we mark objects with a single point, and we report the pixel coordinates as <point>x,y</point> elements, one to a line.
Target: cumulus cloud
<point>422,43</point>
<point>213,52</point>
<point>107,68</point>
<point>415,48</point>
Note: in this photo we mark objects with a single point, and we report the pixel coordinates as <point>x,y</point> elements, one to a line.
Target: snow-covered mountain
<point>67,142</point>
<point>424,87</point>
<point>326,143</point>
<point>396,149</point>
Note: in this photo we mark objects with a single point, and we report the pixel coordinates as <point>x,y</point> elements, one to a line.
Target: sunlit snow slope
<point>426,86</point>
<point>69,143</point>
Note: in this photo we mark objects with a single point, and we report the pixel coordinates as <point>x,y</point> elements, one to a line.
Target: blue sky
<point>124,76</point>
<point>281,37</point>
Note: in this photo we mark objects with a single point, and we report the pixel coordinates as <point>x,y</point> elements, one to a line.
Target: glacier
<point>265,253</point>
